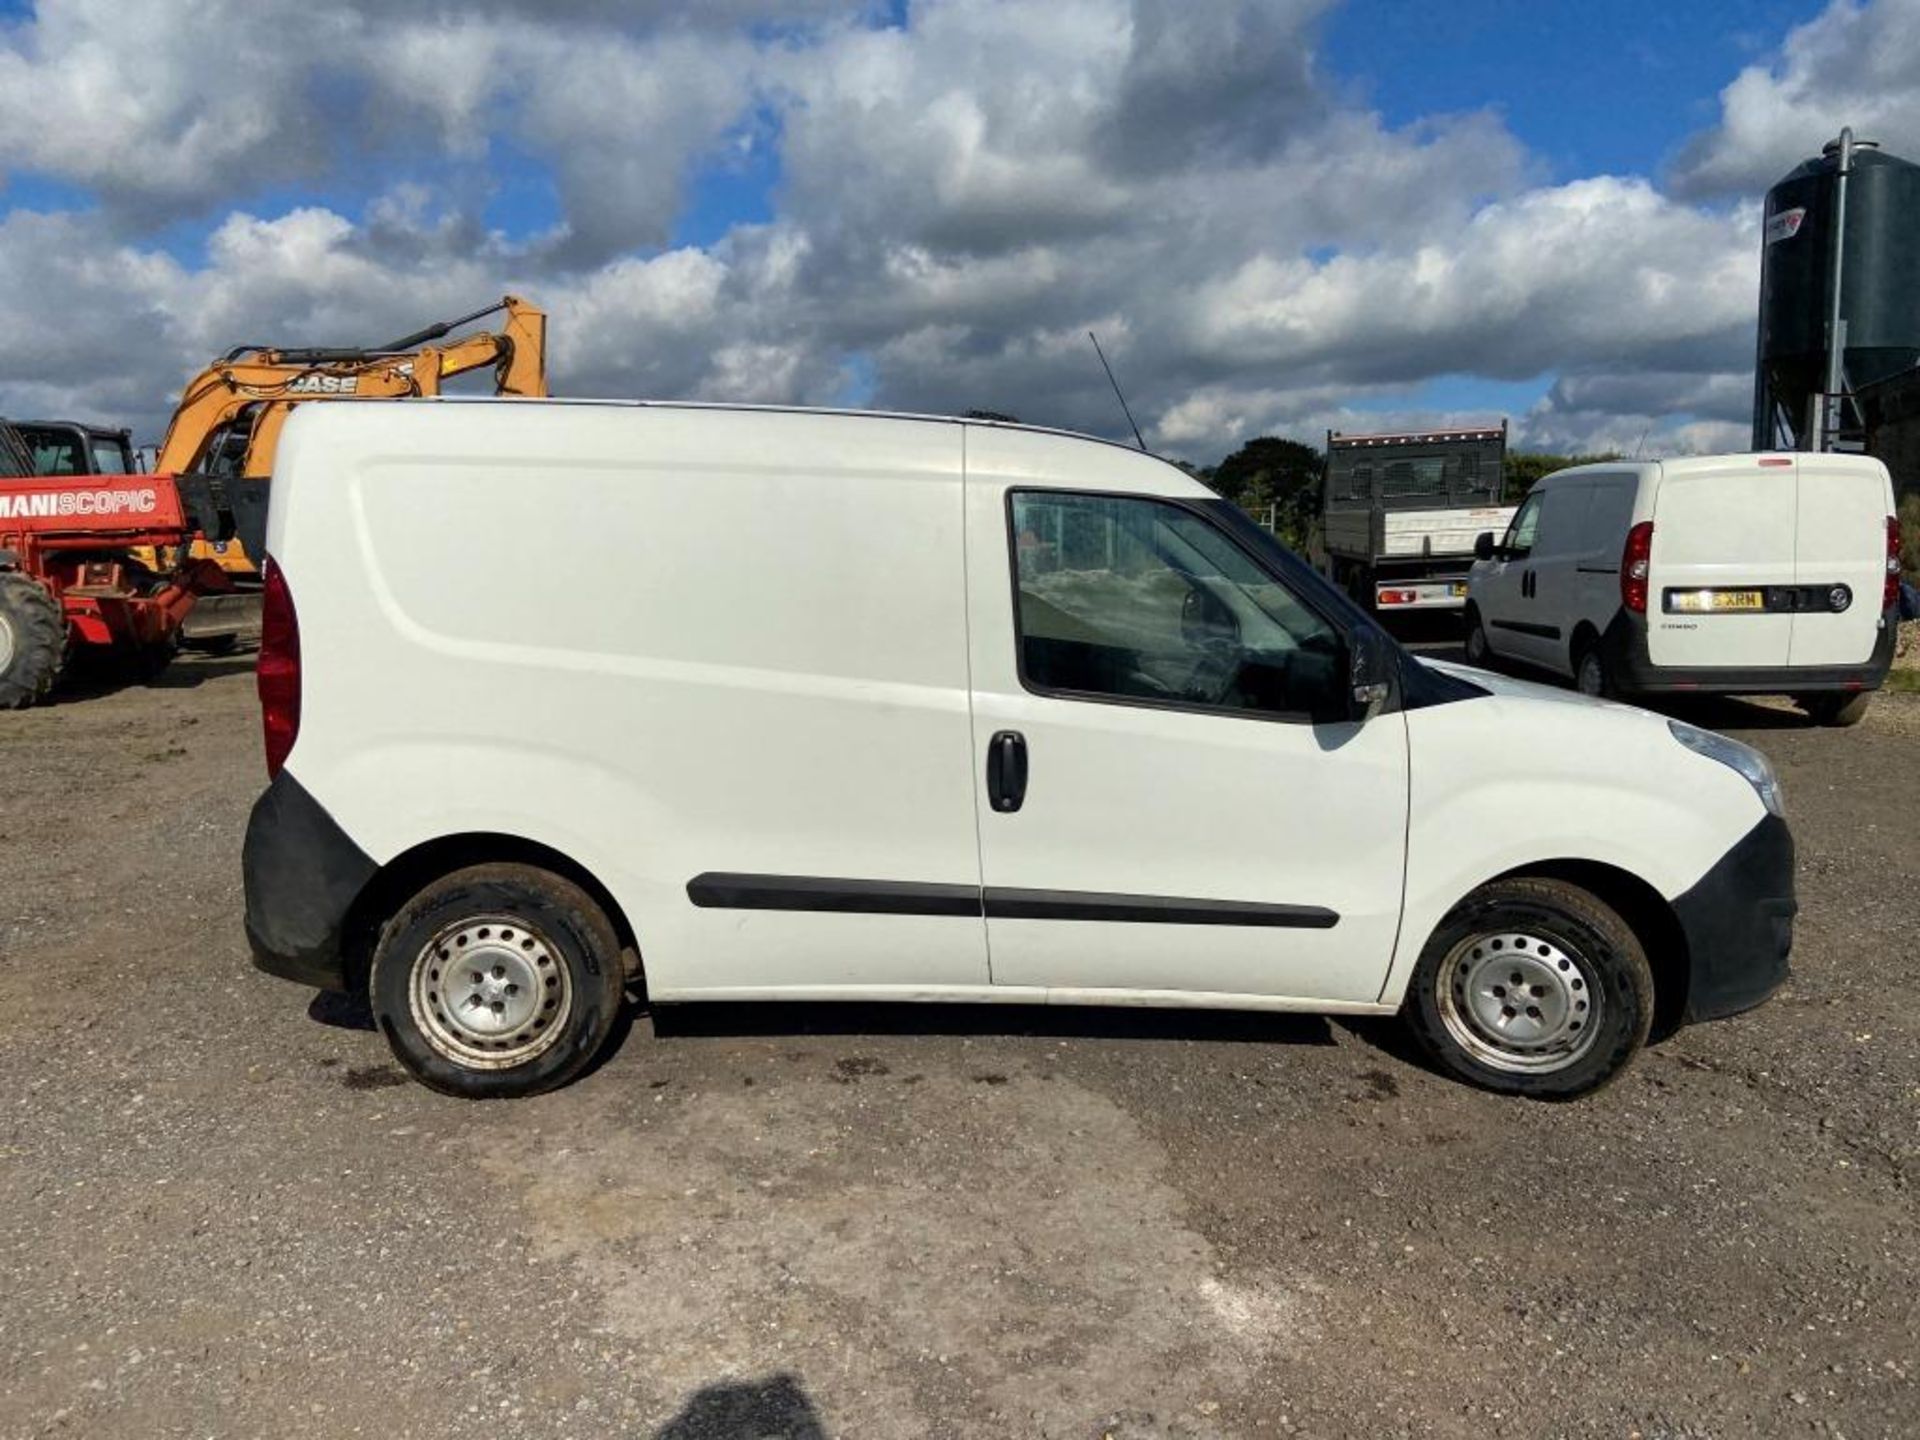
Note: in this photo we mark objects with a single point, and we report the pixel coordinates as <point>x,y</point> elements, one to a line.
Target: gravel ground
<point>224,1213</point>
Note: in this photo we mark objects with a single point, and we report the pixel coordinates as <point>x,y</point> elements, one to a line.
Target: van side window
<point>1563,514</point>
<point>1526,524</point>
<point>1612,514</point>
<point>1146,601</point>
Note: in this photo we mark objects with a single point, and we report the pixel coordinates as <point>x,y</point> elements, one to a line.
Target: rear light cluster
<point>279,667</point>
<point>1635,561</point>
<point>1890,593</point>
<point>1398,597</point>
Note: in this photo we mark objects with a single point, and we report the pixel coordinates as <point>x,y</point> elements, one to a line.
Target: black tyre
<point>33,640</point>
<point>149,662</point>
<point>1479,652</point>
<point>1591,676</point>
<point>1532,987</point>
<point>497,981</point>
<point>1838,708</point>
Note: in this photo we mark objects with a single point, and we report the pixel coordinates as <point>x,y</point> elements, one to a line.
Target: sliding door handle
<point>1007,771</point>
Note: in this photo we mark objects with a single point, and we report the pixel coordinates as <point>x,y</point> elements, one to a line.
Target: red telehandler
<point>67,581</point>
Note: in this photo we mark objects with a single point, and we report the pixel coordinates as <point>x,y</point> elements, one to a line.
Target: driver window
<point>1141,600</point>
<point>1526,524</point>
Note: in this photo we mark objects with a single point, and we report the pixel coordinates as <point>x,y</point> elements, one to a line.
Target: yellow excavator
<point>221,441</point>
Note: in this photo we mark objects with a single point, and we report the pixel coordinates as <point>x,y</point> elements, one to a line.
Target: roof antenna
<point>1116,389</point>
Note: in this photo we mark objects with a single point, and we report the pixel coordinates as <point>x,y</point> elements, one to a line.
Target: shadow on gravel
<point>89,677</point>
<point>192,671</point>
<point>341,1012</point>
<point>1118,1022</point>
<point>776,1408</point>
<point>1727,712</point>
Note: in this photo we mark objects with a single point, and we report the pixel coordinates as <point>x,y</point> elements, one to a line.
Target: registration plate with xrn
<point>1700,602</point>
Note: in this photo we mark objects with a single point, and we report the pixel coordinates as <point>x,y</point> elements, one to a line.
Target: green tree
<point>1273,476</point>
<point>1525,468</point>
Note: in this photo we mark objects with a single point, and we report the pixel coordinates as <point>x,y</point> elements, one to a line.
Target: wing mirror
<point>1371,669</point>
<point>1484,547</point>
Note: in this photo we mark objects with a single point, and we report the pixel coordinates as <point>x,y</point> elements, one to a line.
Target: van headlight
<point>1752,766</point>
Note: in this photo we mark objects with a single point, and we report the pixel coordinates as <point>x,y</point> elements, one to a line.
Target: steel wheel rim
<point>6,645</point>
<point>1520,1002</point>
<point>490,992</point>
<point>1476,644</point>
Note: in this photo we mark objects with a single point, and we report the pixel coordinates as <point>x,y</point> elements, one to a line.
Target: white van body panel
<point>673,641</point>
<point>1627,808</point>
<point>537,651</point>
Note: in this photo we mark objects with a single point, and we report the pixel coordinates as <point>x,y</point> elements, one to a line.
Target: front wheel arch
<point>1650,917</point>
<point>410,872</point>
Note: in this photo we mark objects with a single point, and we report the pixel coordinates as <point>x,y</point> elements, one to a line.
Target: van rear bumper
<point>1633,670</point>
<point>1738,921</point>
<point>302,875</point>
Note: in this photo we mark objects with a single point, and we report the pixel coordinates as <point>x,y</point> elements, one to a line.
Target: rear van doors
<point>1723,532</point>
<point>1767,561</point>
<point>1158,808</point>
<point>1840,542</point>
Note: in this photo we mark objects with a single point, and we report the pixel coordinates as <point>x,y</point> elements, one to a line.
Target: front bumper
<point>302,876</point>
<point>1628,661</point>
<point>1738,921</point>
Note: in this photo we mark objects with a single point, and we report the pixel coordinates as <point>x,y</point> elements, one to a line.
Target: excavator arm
<point>258,387</point>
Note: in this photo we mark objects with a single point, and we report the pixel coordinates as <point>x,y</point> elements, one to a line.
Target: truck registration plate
<point>1697,602</point>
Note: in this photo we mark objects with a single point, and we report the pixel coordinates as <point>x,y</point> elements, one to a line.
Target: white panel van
<point>568,699</point>
<point>1751,574</point>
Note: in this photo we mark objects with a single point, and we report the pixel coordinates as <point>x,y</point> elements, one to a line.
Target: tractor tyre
<point>33,640</point>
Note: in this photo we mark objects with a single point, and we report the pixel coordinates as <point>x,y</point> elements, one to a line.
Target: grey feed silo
<point>1879,288</point>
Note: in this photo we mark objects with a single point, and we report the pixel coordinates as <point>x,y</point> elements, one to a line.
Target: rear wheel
<point>1532,987</point>
<point>1840,708</point>
<point>497,981</point>
<point>1590,673</point>
<point>33,640</point>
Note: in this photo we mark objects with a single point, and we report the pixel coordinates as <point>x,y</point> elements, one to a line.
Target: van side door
<point>1504,595</point>
<point>1165,805</point>
<point>1554,589</point>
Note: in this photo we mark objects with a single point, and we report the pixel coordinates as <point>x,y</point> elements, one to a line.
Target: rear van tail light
<point>1635,561</point>
<point>1890,593</point>
<point>278,671</point>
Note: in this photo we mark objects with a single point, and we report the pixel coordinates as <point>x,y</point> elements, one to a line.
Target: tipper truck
<point>1401,512</point>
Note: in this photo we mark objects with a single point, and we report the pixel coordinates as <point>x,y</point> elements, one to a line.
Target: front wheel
<point>497,981</point>
<point>1532,987</point>
<point>1479,651</point>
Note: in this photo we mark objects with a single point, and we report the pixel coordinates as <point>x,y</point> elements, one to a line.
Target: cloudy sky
<point>1280,215</point>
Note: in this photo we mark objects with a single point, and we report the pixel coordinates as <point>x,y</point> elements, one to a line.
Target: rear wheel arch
<point>1646,912</point>
<point>1585,636</point>
<point>404,876</point>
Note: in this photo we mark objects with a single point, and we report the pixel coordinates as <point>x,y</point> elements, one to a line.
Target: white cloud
<point>960,200</point>
<point>1854,64</point>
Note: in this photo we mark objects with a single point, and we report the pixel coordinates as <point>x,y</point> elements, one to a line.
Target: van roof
<point>734,406</point>
<point>1686,464</point>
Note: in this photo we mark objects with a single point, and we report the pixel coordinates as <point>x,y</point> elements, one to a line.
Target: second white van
<point>1734,574</point>
<point>827,706</point>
